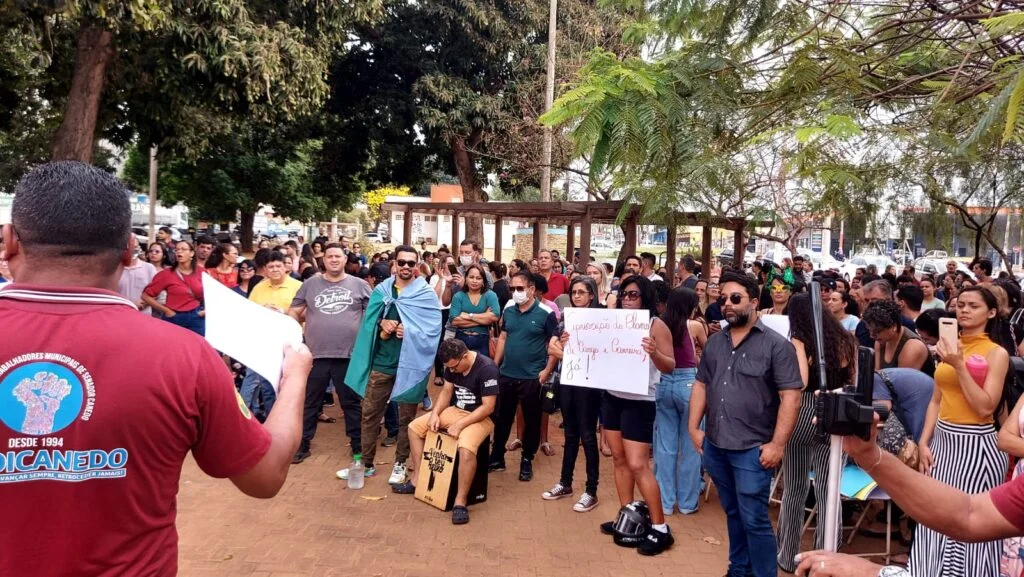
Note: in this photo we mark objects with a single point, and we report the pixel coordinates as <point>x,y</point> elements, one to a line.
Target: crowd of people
<point>491,336</point>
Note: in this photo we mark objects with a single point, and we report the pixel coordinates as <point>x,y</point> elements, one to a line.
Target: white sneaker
<point>343,473</point>
<point>586,503</point>
<point>398,475</point>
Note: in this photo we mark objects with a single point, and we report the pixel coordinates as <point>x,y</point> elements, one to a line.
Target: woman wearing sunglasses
<point>629,419</point>
<point>580,408</point>
<point>780,292</point>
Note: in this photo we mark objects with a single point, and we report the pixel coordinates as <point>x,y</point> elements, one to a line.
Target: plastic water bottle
<point>356,473</point>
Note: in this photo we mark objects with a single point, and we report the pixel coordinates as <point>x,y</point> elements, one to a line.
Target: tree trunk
<point>465,166</point>
<point>77,133</point>
<point>246,222</point>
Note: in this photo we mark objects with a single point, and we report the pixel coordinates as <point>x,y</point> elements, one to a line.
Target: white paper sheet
<point>247,332</point>
<point>605,349</point>
<point>777,323</point>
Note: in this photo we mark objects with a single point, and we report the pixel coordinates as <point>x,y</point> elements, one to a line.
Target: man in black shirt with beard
<point>461,410</point>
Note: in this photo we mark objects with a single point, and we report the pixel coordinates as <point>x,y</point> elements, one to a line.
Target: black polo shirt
<point>743,385</point>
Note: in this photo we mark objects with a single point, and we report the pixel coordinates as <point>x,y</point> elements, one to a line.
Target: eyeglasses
<point>778,288</point>
<point>736,298</point>
<point>518,289</point>
<point>580,293</point>
<point>405,263</point>
<point>631,295</point>
<point>712,285</point>
<point>454,366</point>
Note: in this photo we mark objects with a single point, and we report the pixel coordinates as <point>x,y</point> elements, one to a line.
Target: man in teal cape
<point>393,355</point>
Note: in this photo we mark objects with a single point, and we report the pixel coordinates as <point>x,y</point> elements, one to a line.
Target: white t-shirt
<point>134,279</point>
<point>433,284</point>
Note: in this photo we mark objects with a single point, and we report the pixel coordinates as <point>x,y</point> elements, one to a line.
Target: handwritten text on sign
<point>605,349</point>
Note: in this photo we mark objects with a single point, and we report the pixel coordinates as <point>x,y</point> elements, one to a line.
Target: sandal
<point>325,419</point>
<point>547,449</point>
<point>460,515</point>
<point>514,445</point>
<point>438,382</point>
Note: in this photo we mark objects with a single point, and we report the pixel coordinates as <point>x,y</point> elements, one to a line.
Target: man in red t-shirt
<point>996,514</point>
<point>99,405</point>
<point>557,283</point>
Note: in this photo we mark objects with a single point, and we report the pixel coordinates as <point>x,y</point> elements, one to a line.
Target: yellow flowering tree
<point>375,198</point>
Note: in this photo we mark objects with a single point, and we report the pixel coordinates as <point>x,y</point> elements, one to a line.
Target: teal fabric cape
<point>421,316</point>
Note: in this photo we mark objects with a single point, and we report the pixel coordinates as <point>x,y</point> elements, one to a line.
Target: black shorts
<point>634,419</point>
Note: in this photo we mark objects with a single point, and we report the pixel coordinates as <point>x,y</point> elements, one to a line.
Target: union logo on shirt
<point>42,393</point>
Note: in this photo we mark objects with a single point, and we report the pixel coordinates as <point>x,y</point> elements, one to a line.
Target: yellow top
<point>954,407</point>
<point>280,296</point>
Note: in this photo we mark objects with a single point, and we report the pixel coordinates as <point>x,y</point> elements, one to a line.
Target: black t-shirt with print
<point>481,381</point>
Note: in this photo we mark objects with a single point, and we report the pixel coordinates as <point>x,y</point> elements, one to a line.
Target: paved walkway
<point>317,527</point>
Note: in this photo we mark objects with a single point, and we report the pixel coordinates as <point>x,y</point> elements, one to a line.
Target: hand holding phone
<point>949,332</point>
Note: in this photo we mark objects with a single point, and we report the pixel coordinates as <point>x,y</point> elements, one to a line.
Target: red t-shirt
<point>557,285</point>
<point>179,297</point>
<point>228,279</point>
<point>100,406</point>
<point>1008,499</point>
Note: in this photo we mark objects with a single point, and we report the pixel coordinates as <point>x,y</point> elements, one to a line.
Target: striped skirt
<point>967,458</point>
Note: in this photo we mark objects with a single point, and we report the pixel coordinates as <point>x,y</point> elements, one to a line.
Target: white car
<point>848,269</point>
<point>372,237</point>
<point>821,261</point>
<point>936,266</point>
<point>603,246</point>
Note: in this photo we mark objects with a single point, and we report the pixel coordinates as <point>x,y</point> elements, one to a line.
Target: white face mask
<point>465,260</point>
<point>520,297</point>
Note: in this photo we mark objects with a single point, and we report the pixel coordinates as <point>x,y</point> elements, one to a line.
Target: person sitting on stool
<point>462,410</point>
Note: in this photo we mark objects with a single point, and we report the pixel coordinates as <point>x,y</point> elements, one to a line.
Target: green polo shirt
<point>526,339</point>
<point>385,358</point>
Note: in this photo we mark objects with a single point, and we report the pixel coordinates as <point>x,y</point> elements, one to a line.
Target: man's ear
<point>12,244</point>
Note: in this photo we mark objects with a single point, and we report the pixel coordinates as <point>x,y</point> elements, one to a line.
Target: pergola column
<point>705,252</point>
<point>537,242</point>
<point>739,248</point>
<point>455,234</point>
<point>670,253</point>
<point>585,226</point>
<point>407,226</point>
<point>570,240</point>
<point>497,239</point>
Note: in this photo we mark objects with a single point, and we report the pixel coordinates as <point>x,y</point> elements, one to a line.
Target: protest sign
<point>605,349</point>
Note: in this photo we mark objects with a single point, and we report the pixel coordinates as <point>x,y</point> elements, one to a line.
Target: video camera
<point>849,411</point>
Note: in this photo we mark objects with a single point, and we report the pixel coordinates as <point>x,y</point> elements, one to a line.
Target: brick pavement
<point>317,527</point>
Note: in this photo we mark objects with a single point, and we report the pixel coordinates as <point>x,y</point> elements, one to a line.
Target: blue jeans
<point>475,342</point>
<point>190,320</point>
<point>676,462</point>
<point>743,487</point>
<point>255,386</point>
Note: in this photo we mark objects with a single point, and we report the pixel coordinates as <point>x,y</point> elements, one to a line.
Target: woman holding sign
<point>580,408</point>
<point>629,419</point>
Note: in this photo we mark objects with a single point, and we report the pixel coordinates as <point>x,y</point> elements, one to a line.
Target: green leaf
<point>1013,107</point>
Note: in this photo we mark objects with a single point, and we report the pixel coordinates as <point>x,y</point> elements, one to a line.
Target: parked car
<point>849,268</point>
<point>821,261</point>
<point>601,245</point>
<point>725,257</point>
<point>373,237</point>
<point>936,266</point>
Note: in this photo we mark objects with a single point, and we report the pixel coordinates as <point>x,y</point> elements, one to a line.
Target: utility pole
<point>152,193</point>
<point>549,98</point>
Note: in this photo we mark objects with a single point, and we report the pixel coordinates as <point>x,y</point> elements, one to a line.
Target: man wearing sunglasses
<point>527,326</point>
<point>748,388</point>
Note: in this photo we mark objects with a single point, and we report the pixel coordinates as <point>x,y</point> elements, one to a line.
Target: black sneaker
<point>299,457</point>
<point>525,470</point>
<point>608,528</point>
<point>405,488</point>
<point>496,467</point>
<point>656,542</point>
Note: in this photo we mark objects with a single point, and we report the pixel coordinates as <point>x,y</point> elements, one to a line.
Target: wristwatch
<point>470,315</point>
<point>893,571</point>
